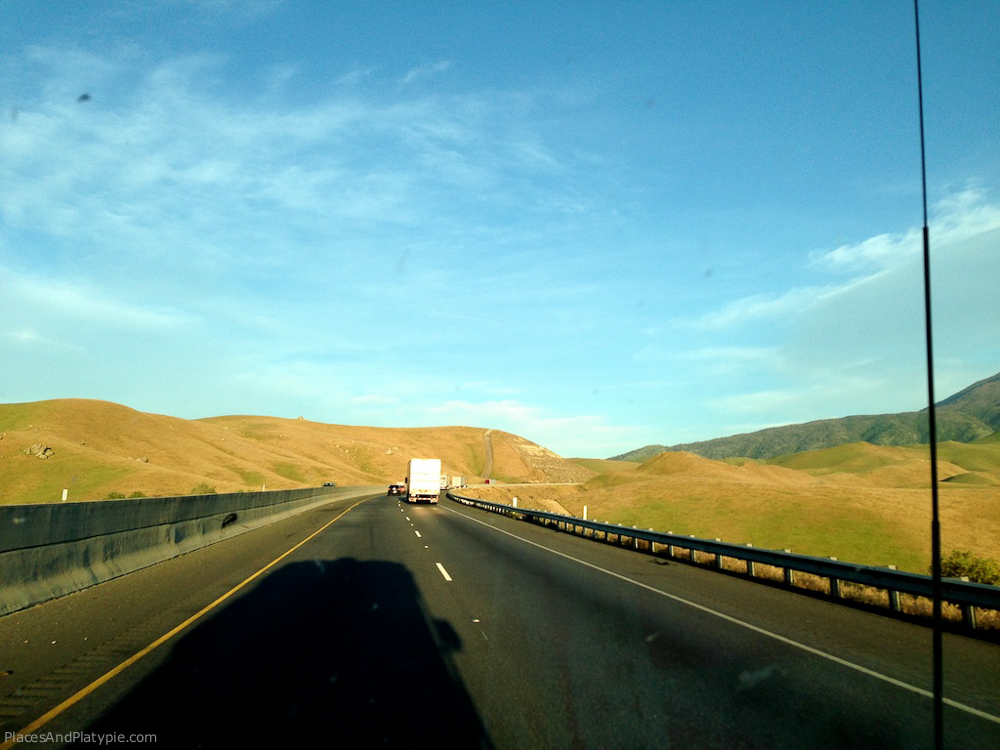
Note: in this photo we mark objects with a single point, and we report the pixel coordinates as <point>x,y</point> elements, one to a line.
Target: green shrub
<point>977,569</point>
<point>114,496</point>
<point>203,489</point>
<point>137,493</point>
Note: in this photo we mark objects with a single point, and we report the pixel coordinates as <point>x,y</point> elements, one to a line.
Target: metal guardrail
<point>966,595</point>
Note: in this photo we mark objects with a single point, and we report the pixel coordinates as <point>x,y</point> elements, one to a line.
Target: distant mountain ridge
<point>968,415</point>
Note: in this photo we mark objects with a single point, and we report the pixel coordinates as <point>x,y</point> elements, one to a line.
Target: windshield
<point>607,248</point>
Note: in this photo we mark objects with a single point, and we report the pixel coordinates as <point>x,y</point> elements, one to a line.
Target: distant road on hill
<point>488,462</point>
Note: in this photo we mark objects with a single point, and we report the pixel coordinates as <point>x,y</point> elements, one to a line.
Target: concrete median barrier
<point>47,551</point>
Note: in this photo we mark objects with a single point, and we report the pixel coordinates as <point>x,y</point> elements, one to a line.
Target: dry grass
<point>867,525</point>
<point>919,607</point>
<point>102,447</point>
<point>865,520</point>
<point>913,606</point>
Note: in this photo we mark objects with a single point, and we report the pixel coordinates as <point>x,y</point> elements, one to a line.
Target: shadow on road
<point>318,654</point>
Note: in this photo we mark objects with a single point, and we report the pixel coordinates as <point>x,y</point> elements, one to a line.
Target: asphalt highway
<point>380,624</point>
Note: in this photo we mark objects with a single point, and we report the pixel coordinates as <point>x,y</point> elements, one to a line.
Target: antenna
<point>938,666</point>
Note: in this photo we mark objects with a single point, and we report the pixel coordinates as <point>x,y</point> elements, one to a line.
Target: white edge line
<point>743,623</point>
<point>443,572</point>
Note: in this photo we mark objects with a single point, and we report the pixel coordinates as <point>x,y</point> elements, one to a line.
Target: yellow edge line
<point>110,675</point>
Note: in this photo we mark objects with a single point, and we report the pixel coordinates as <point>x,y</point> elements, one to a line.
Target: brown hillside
<point>100,447</point>
<point>860,502</point>
<point>864,464</point>
<point>685,466</point>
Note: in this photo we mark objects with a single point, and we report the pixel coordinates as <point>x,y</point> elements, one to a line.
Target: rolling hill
<point>967,416</point>
<point>859,502</point>
<point>93,448</point>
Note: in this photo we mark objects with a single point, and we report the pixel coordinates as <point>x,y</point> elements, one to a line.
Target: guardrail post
<point>670,548</point>
<point>718,556</point>
<point>834,585</point>
<point>894,604</point>
<point>969,615</point>
<point>968,610</point>
<point>751,566</point>
<point>789,572</point>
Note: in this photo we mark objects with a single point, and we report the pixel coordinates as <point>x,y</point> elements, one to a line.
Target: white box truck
<point>457,482</point>
<point>423,480</point>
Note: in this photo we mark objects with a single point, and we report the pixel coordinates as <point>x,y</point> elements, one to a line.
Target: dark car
<point>396,489</point>
<point>329,484</point>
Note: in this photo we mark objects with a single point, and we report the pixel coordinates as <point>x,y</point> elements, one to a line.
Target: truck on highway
<point>457,482</point>
<point>444,482</point>
<point>423,480</point>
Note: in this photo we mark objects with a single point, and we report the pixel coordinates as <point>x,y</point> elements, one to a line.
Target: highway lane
<point>616,660</point>
<point>400,624</point>
<point>50,651</point>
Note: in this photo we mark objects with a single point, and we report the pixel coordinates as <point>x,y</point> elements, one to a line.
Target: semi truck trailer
<point>423,480</point>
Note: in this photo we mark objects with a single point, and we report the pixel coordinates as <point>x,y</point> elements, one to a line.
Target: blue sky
<point>597,225</point>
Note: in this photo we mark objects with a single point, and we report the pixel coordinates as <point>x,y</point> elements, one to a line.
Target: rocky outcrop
<point>42,451</point>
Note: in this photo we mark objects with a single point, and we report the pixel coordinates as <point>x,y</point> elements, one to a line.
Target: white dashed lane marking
<point>443,572</point>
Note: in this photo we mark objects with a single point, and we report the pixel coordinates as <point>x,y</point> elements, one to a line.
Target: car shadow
<point>318,654</point>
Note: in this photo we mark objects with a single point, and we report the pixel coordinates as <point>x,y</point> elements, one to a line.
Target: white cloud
<point>874,253</point>
<point>72,305</point>
<point>962,216</point>
<point>571,436</point>
<point>759,308</point>
<point>29,337</point>
<point>798,402</point>
<point>424,71</point>
<point>355,75</point>
<point>955,218</point>
<point>729,361</point>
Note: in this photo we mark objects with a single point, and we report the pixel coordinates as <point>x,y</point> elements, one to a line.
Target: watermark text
<point>97,739</point>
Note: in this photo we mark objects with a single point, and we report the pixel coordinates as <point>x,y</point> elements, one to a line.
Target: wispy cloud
<point>181,180</point>
<point>957,217</point>
<point>759,308</point>
<point>425,71</point>
<point>69,305</point>
<point>750,410</point>
<point>592,434</point>
<point>356,75</point>
<point>872,254</point>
